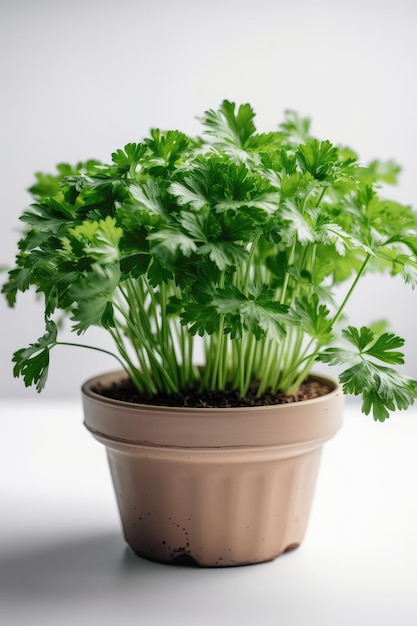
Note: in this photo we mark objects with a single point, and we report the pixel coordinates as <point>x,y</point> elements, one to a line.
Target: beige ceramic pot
<point>217,487</point>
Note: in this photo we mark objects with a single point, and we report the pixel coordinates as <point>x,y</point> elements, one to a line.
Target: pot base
<point>218,508</point>
<point>186,560</point>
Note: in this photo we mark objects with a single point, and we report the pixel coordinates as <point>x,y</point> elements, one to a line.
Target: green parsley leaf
<point>93,295</point>
<point>19,280</point>
<point>99,240</point>
<point>166,147</point>
<point>314,318</point>
<point>199,319</point>
<point>148,197</point>
<point>135,265</point>
<point>230,126</point>
<point>171,243</point>
<point>129,157</point>
<point>383,389</point>
<point>189,193</point>
<point>258,313</point>
<point>295,127</point>
<point>317,158</point>
<point>386,172</point>
<point>32,363</point>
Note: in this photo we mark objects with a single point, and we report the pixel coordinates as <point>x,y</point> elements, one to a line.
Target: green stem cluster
<point>157,351</point>
<point>271,365</point>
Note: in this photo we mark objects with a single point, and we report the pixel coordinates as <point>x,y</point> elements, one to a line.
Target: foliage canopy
<point>238,237</point>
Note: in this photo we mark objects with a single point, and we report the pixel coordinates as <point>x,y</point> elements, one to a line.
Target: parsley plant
<point>238,238</point>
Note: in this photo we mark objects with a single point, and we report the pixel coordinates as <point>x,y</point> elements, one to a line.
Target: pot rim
<point>88,390</point>
<point>189,427</point>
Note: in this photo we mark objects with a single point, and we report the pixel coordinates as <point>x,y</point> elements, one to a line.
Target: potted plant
<point>228,247</point>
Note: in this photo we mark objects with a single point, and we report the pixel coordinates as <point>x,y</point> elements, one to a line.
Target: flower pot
<point>217,487</point>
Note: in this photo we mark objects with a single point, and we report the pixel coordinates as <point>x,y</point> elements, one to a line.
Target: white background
<point>82,78</point>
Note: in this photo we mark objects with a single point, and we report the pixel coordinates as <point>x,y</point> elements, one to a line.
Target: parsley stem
<point>84,345</point>
<point>269,359</point>
<point>352,287</point>
<point>320,198</point>
<point>134,372</point>
<point>88,347</point>
<point>249,261</point>
<point>150,346</point>
<point>301,376</point>
<point>216,359</point>
<point>287,273</point>
<point>249,362</point>
<point>242,366</point>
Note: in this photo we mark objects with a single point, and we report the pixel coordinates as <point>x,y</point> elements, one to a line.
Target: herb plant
<point>239,237</point>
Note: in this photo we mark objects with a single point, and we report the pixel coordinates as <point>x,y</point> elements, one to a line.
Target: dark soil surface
<point>126,392</point>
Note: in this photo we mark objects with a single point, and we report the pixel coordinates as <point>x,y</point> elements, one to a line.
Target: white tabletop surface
<point>63,560</point>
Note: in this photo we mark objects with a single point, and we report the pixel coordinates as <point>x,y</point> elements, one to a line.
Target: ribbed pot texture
<point>216,487</point>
